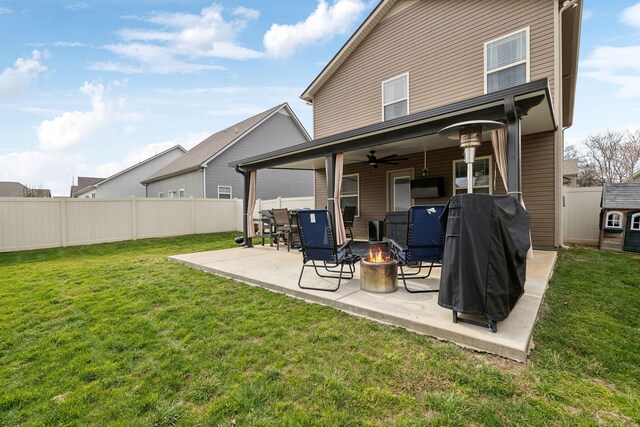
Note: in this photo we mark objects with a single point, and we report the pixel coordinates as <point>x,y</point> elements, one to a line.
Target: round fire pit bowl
<point>379,277</point>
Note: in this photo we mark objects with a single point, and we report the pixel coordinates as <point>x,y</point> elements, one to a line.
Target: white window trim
<point>633,217</point>
<point>396,101</point>
<point>526,61</point>
<point>172,194</point>
<point>181,193</point>
<point>161,195</point>
<point>357,192</point>
<point>609,215</point>
<point>230,191</point>
<point>490,186</point>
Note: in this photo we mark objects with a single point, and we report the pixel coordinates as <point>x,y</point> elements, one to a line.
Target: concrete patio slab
<point>279,271</point>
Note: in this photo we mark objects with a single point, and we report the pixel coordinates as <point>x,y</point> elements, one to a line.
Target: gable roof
<point>83,183</point>
<point>203,153</point>
<point>621,196</point>
<point>16,189</point>
<point>354,41</point>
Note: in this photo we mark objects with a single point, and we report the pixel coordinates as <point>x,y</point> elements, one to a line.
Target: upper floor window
<point>614,220</point>
<point>349,195</point>
<point>481,176</point>
<point>395,97</point>
<point>181,193</point>
<point>507,61</point>
<point>224,192</point>
<point>635,222</point>
<point>172,194</point>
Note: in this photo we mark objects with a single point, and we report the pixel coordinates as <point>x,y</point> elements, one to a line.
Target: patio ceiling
<point>415,132</point>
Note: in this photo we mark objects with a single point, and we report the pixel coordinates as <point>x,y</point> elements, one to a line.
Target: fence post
<point>63,222</point>
<point>279,202</point>
<point>134,217</point>
<point>193,214</point>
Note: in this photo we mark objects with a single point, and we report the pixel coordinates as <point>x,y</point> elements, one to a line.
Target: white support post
<point>193,214</point>
<point>63,222</point>
<point>134,218</point>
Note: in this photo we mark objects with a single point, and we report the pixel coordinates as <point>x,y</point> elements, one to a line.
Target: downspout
<point>247,242</point>
<point>204,182</point>
<point>559,107</point>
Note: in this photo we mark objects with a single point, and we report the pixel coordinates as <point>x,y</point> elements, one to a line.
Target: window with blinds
<point>395,97</point>
<point>507,61</point>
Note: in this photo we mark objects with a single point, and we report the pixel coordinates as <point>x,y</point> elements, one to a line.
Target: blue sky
<point>89,88</point>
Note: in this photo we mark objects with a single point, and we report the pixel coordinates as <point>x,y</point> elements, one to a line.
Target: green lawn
<point>115,334</point>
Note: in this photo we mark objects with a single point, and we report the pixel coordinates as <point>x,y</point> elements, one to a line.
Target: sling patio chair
<point>319,249</point>
<point>284,228</point>
<point>424,246</point>
<point>348,217</point>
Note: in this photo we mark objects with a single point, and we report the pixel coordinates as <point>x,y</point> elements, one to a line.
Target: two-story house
<point>415,67</point>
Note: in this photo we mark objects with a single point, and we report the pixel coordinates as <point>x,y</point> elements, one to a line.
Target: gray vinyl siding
<point>191,182</point>
<point>440,43</point>
<point>279,131</point>
<point>128,184</point>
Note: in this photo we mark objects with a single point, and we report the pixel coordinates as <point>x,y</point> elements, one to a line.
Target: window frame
<point>489,186</point>
<point>161,195</point>
<point>633,218</point>
<point>526,61</point>
<point>230,192</point>
<point>172,194</point>
<point>396,101</point>
<point>357,195</point>
<point>181,193</point>
<point>608,217</point>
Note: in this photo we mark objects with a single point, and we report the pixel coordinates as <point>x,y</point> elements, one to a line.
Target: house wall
<point>537,186</point>
<point>440,43</point>
<point>128,184</point>
<point>191,182</point>
<point>279,131</point>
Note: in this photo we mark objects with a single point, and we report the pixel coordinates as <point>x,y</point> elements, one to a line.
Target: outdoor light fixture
<point>470,136</point>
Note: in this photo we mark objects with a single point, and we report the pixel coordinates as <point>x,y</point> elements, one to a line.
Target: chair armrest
<point>394,246</point>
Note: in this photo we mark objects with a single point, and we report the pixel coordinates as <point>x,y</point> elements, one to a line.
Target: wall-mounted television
<point>427,187</point>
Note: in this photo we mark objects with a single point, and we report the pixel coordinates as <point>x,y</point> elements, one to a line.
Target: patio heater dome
<point>470,135</point>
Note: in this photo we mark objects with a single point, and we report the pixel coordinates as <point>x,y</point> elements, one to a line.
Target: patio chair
<point>319,249</point>
<point>268,226</point>
<point>348,216</point>
<point>284,228</point>
<point>424,247</point>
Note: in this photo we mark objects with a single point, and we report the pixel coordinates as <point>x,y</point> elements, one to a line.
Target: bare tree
<point>613,154</point>
<point>588,175</point>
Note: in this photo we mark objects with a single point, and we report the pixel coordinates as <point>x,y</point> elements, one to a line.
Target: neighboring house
<point>620,217</point>
<point>570,174</point>
<point>415,67</point>
<point>204,172</point>
<point>15,189</point>
<point>636,177</point>
<point>127,183</point>
<point>83,183</point>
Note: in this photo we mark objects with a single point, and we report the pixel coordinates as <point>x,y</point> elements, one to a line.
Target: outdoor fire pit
<point>378,273</point>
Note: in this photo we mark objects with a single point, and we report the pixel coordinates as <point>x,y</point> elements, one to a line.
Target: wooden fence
<point>581,214</point>
<point>35,223</point>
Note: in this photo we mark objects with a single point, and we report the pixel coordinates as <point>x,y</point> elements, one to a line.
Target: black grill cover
<point>484,265</point>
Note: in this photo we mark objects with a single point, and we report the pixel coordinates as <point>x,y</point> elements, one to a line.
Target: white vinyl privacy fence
<point>34,223</point>
<point>581,215</point>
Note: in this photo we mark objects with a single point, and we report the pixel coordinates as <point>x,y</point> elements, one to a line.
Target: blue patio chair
<point>424,246</point>
<point>318,246</point>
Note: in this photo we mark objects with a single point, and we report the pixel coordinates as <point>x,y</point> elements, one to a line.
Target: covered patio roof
<point>415,132</point>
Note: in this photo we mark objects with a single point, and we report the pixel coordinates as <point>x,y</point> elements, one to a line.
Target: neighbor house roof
<point>570,167</point>
<point>16,189</point>
<point>200,155</point>
<point>621,196</point>
<point>83,183</point>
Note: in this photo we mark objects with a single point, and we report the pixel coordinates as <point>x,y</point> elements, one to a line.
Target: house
<point>620,217</point>
<point>570,174</point>
<point>127,183</point>
<point>204,172</point>
<point>414,68</point>
<point>83,183</point>
<point>16,189</point>
<point>636,177</point>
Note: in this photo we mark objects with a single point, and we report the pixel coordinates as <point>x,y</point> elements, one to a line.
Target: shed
<point>620,217</point>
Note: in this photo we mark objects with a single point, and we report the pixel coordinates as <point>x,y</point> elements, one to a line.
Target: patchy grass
<point>115,334</point>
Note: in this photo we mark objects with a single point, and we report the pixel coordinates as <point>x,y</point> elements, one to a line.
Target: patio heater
<point>470,135</point>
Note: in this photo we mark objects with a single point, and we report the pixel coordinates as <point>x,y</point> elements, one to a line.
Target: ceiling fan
<point>386,160</point>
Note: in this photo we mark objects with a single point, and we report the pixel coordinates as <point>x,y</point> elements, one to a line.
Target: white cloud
<point>73,127</point>
<point>631,16</point>
<point>76,6</point>
<point>282,41</point>
<point>587,14</point>
<point>181,40</point>
<point>4,10</point>
<point>619,66</point>
<point>14,80</point>
<point>29,167</point>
